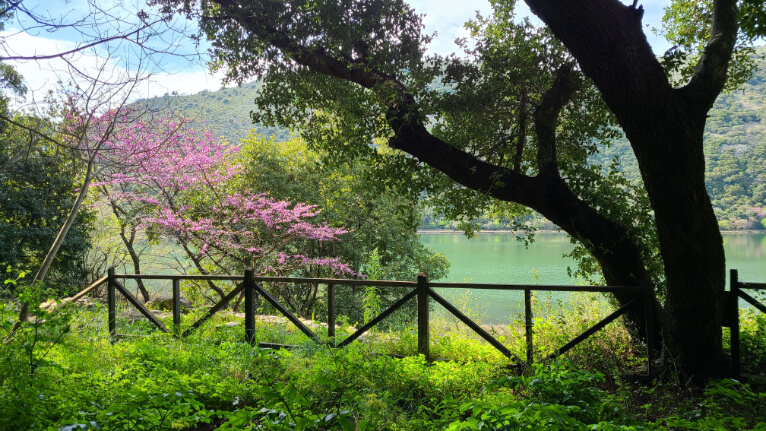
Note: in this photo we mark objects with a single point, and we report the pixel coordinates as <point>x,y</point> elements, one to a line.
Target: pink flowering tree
<point>88,123</point>
<point>186,190</point>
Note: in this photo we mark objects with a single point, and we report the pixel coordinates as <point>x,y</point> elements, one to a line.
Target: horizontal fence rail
<point>248,285</point>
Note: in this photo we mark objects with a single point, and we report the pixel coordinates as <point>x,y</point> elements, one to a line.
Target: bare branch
<point>78,49</point>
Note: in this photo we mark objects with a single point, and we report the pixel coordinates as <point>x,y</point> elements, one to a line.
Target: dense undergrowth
<point>63,372</point>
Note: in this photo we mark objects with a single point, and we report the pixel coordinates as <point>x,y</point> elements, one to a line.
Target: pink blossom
<point>183,180</point>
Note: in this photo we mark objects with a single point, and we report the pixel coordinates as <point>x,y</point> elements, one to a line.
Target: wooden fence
<point>738,290</point>
<point>421,290</point>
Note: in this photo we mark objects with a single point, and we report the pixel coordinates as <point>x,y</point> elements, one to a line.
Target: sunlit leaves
<point>687,24</point>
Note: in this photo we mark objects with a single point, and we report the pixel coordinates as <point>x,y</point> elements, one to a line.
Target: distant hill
<point>225,112</point>
<point>735,141</point>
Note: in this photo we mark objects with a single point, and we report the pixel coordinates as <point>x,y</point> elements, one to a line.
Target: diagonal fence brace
<point>290,316</point>
<point>754,302</point>
<point>214,309</point>
<point>136,303</point>
<point>380,317</point>
<point>476,328</point>
<point>593,329</point>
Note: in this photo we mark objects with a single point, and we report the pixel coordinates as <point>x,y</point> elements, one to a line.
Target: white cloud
<point>185,82</point>
<point>41,76</point>
<point>447,19</point>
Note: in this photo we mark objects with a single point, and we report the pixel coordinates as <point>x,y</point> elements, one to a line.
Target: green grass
<point>66,374</point>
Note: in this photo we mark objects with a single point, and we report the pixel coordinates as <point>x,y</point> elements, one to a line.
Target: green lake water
<point>500,258</point>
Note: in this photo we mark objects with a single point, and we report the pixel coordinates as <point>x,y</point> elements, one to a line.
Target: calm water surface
<point>500,258</point>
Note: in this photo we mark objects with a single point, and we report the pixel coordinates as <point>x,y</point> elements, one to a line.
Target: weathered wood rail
<point>737,290</point>
<point>422,290</point>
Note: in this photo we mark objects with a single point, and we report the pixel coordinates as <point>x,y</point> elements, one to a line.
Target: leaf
<point>346,423</point>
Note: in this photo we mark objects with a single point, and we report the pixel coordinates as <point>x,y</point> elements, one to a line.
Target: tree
<point>363,61</point>
<point>381,241</point>
<point>92,92</point>
<point>37,183</point>
<point>184,183</point>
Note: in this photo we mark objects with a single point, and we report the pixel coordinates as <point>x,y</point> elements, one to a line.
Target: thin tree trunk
<point>136,260</point>
<point>43,271</point>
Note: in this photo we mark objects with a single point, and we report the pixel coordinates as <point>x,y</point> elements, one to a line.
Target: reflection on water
<point>747,254</point>
<point>500,258</point>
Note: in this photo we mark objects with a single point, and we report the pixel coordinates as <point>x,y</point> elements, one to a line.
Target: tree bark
<point>665,128</point>
<point>135,258</point>
<point>128,241</point>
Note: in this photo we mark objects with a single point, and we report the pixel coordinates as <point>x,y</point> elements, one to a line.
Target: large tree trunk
<point>665,128</point>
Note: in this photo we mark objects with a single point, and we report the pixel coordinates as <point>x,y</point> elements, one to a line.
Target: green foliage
<point>380,215</point>
<point>224,112</point>
<point>687,24</point>
<point>37,188</point>
<point>27,365</point>
<point>726,405</point>
<point>552,397</point>
<point>753,339</point>
<point>371,298</point>
<point>63,372</point>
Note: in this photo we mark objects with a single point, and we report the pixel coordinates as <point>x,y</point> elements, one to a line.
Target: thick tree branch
<point>549,195</point>
<point>710,74</point>
<point>546,118</point>
<point>607,39</point>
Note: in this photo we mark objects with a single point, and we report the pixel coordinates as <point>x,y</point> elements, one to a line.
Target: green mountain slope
<point>225,112</point>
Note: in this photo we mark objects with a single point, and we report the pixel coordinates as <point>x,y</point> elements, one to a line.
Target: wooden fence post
<point>528,319</point>
<point>331,313</point>
<point>177,305</point>
<point>249,309</point>
<point>424,333</point>
<point>734,328</point>
<point>111,302</point>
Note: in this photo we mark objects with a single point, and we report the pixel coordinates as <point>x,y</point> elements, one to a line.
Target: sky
<point>176,73</point>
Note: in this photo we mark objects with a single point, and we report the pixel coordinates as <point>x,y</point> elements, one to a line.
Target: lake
<point>500,258</point>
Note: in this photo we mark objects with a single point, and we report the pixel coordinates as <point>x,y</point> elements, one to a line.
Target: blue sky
<point>174,73</point>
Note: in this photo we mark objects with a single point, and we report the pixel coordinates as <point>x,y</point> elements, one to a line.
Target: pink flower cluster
<point>185,182</point>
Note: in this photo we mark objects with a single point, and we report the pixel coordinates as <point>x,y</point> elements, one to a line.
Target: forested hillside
<point>226,112</point>
<point>735,144</point>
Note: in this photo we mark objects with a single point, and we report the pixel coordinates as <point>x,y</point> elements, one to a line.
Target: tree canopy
<point>516,123</point>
